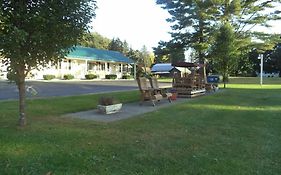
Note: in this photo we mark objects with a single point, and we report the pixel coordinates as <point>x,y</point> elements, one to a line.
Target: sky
<point>139,22</point>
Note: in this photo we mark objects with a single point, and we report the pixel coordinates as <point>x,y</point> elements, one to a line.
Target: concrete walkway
<point>127,111</point>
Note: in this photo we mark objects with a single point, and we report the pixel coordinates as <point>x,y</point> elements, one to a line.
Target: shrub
<point>126,76</point>
<point>90,76</point>
<point>68,77</point>
<point>49,77</point>
<point>111,76</point>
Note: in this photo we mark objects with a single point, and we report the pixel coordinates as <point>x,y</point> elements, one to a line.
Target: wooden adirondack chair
<point>147,93</point>
<point>157,90</point>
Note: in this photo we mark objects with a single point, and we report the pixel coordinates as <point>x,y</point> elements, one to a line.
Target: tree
<point>95,40</point>
<point>196,22</point>
<point>120,46</point>
<point>268,48</point>
<point>168,52</point>
<point>225,51</point>
<point>161,53</point>
<point>134,54</point>
<point>35,33</point>
<point>116,45</point>
<point>193,24</point>
<point>144,58</point>
<point>276,57</point>
<point>126,48</point>
<point>245,67</point>
<point>271,62</point>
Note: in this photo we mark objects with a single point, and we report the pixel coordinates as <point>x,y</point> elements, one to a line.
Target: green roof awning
<point>87,53</point>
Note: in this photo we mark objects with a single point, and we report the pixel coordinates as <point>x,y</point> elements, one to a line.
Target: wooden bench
<point>147,93</point>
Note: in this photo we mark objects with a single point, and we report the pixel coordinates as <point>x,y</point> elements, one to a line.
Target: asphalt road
<point>67,88</point>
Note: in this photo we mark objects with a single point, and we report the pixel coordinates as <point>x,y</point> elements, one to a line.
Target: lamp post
<point>261,65</point>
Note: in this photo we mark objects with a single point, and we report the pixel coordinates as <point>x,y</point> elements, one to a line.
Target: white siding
<point>77,67</point>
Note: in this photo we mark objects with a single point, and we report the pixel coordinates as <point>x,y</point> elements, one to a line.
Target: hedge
<point>68,77</point>
<point>111,76</point>
<point>126,76</point>
<point>90,76</point>
<point>49,77</point>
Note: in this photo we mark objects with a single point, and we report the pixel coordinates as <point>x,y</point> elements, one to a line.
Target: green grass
<point>254,80</point>
<point>235,131</point>
<point>241,80</point>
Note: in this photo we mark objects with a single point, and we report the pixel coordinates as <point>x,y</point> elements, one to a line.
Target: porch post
<point>86,67</point>
<point>105,67</point>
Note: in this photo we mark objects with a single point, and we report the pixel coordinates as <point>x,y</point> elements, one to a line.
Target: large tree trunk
<point>21,88</point>
<point>224,80</point>
<point>202,69</point>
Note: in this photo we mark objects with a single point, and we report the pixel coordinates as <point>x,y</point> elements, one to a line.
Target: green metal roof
<point>87,53</point>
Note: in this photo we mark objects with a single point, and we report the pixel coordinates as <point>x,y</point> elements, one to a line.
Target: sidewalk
<point>128,110</point>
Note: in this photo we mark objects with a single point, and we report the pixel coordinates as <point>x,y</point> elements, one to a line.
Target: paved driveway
<point>67,88</point>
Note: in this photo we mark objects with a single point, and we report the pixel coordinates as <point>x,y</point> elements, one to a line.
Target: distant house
<point>167,70</point>
<point>268,74</point>
<point>85,60</point>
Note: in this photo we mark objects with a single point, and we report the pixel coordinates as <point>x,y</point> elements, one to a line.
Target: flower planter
<point>174,96</point>
<point>110,109</point>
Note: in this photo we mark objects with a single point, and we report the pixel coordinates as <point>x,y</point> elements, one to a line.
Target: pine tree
<point>225,52</point>
<point>94,40</point>
<point>196,22</point>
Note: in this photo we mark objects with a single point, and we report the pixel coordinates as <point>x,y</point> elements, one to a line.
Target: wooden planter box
<point>110,109</point>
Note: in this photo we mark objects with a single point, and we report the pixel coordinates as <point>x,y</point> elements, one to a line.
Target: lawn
<point>242,80</point>
<point>235,131</point>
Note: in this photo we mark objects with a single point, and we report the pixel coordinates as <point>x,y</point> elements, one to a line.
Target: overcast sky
<point>139,22</point>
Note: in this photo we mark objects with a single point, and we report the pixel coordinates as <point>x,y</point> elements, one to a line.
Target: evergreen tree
<point>144,58</point>
<point>94,40</point>
<point>116,45</point>
<point>195,22</point>
<point>133,54</point>
<point>276,57</point>
<point>168,52</point>
<point>126,48</point>
<point>162,53</point>
<point>225,52</point>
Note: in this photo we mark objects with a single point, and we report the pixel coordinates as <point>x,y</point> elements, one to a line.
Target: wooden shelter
<point>189,85</point>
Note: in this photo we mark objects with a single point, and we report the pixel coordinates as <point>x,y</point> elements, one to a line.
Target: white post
<point>105,67</point>
<point>261,57</point>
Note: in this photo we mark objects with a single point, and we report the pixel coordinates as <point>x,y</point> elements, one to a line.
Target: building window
<point>58,65</point>
<point>91,66</point>
<point>69,64</point>
<point>125,68</point>
<point>98,66</point>
<point>120,67</point>
<point>102,66</point>
<point>108,66</point>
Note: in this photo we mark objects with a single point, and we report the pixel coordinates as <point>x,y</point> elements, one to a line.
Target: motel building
<point>82,61</point>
